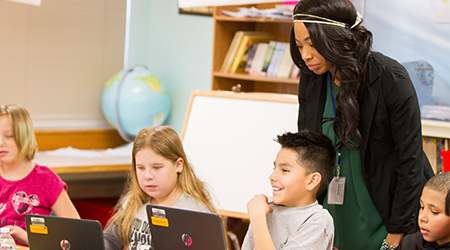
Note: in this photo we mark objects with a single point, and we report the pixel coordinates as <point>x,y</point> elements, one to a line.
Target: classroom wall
<point>177,48</point>
<point>54,55</point>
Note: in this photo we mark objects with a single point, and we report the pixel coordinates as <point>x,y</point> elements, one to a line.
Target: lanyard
<point>338,166</point>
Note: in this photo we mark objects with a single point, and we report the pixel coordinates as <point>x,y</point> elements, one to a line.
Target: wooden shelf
<point>253,19</point>
<point>247,77</point>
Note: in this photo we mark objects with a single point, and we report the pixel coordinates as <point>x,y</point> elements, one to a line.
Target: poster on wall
<point>200,3</point>
<point>415,33</point>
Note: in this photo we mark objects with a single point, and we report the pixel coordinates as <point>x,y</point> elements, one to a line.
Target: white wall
<point>176,47</point>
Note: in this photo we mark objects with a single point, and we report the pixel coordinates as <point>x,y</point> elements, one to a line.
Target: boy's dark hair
<point>314,150</point>
<point>441,183</point>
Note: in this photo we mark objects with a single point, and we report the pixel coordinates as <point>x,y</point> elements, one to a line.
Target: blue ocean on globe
<point>142,101</point>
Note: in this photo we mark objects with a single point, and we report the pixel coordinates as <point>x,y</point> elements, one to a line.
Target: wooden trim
<point>80,139</point>
<point>248,77</point>
<point>91,169</point>
<point>224,213</point>
<point>253,19</point>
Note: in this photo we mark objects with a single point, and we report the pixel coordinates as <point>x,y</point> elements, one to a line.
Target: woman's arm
<point>405,122</point>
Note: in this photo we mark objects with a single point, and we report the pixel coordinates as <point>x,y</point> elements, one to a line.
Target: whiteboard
<point>229,139</point>
<point>202,3</point>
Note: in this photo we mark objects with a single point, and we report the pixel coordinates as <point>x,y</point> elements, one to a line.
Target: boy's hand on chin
<point>259,206</point>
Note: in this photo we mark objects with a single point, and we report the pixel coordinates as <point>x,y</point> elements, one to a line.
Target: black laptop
<point>57,233</point>
<point>181,229</point>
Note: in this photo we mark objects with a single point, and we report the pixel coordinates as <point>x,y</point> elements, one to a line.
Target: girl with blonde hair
<point>160,175</point>
<point>26,187</point>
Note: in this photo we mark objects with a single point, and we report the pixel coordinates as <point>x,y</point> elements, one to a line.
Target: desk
<point>88,177</point>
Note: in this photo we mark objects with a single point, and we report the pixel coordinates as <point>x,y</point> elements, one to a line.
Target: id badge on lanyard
<point>336,188</point>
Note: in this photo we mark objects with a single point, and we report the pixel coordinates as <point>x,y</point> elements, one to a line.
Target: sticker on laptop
<point>159,217</point>
<point>38,229</point>
<point>65,244</point>
<point>37,225</point>
<point>37,221</point>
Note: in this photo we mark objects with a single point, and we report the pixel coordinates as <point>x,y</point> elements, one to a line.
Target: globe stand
<point>116,108</point>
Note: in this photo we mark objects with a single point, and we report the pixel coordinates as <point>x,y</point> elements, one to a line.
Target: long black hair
<point>347,50</point>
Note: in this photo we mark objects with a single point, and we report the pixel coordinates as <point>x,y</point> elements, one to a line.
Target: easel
<point>228,138</point>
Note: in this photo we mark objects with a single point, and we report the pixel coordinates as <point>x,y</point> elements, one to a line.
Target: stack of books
<point>257,53</point>
<point>437,151</point>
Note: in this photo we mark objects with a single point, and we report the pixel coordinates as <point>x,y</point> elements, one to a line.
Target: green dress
<point>358,224</point>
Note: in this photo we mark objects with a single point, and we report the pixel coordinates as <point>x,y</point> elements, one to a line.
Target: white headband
<point>324,20</point>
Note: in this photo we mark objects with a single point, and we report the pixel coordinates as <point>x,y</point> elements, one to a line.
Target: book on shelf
<point>256,53</point>
<point>268,58</point>
<point>251,57</point>
<point>286,64</point>
<point>274,64</point>
<point>242,53</point>
<point>231,51</point>
<point>444,155</point>
<point>295,72</point>
<point>436,150</point>
<point>430,149</point>
<point>258,59</point>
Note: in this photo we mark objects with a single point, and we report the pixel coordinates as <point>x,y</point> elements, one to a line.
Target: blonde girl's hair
<point>164,141</point>
<point>22,128</point>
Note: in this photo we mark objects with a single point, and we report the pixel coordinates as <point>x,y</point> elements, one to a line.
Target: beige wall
<point>55,59</point>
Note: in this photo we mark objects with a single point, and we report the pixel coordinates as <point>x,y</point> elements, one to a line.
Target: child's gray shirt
<point>308,227</point>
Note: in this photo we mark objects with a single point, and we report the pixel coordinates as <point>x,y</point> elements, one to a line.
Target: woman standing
<point>366,103</point>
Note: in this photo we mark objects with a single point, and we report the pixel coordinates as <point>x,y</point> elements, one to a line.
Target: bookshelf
<point>225,28</point>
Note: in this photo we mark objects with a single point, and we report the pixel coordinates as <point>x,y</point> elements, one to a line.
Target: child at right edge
<point>293,218</point>
<point>434,217</point>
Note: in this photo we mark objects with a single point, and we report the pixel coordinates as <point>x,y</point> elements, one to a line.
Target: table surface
<point>73,164</point>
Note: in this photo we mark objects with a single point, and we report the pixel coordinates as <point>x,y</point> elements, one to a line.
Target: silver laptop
<point>180,229</point>
<point>57,233</point>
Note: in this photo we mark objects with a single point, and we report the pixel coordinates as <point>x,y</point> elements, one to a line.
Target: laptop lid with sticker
<point>57,233</point>
<point>181,229</point>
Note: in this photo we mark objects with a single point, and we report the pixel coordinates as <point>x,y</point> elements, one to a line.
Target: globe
<point>135,99</point>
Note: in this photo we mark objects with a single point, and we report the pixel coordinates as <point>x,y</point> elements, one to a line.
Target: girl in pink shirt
<point>26,187</point>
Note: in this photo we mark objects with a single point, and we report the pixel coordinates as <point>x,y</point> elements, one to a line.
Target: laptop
<point>57,233</point>
<point>181,229</point>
